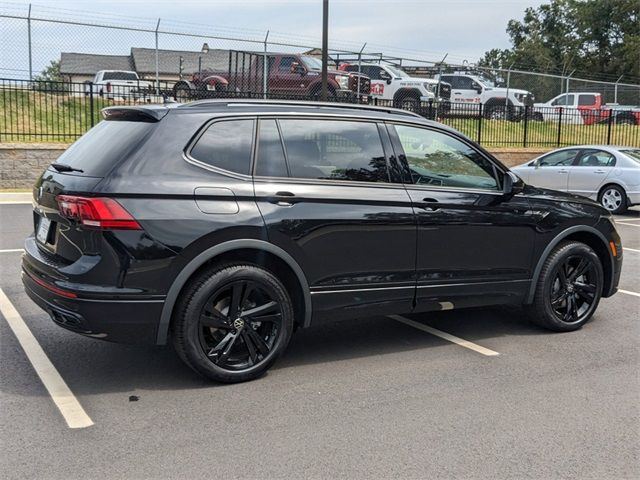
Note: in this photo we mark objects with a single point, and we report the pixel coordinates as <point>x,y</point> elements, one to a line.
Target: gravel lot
<point>373,398</point>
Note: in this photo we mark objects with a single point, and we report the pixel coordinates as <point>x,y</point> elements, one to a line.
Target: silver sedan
<point>610,175</point>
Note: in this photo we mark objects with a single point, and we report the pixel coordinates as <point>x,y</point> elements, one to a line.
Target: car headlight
<point>343,81</point>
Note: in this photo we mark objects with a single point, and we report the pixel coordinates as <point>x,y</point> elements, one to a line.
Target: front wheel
<point>233,323</point>
<point>568,289</point>
<point>613,198</point>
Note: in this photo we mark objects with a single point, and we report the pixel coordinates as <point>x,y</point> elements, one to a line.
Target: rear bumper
<point>122,321</point>
<point>633,198</point>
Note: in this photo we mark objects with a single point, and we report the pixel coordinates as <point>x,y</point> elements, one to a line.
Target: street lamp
<point>205,49</point>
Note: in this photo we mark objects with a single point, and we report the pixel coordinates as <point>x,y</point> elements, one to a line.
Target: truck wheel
<point>496,112</point>
<point>625,120</point>
<point>182,92</point>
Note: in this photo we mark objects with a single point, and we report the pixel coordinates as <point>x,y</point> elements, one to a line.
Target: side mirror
<point>511,184</point>
<point>297,68</point>
<point>478,89</point>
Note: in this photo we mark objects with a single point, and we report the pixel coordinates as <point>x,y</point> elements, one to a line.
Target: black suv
<point>224,225</point>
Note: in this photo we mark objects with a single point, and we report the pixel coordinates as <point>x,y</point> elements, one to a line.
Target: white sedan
<point>610,175</point>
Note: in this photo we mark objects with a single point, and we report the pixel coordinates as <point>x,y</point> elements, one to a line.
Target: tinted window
<point>98,150</point>
<point>119,76</point>
<point>440,160</point>
<point>563,158</point>
<point>285,64</point>
<point>226,145</point>
<point>586,100</point>
<point>466,83</point>
<point>564,100</point>
<point>270,160</point>
<point>596,158</point>
<point>334,150</point>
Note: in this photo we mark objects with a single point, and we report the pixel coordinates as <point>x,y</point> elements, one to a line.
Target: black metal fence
<point>62,111</point>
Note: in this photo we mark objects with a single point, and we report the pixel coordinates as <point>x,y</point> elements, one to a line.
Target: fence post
<point>265,67</point>
<point>157,67</point>
<point>560,124</point>
<point>91,106</point>
<point>479,122</point>
<point>609,123</point>
<point>30,54</point>
<point>526,124</point>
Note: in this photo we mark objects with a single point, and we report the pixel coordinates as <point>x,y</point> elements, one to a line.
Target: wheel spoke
<point>253,354</point>
<point>258,341</point>
<point>555,303</point>
<point>213,320</point>
<point>228,338</point>
<point>585,287</point>
<point>222,358</point>
<point>582,268</point>
<point>237,296</point>
<point>562,274</point>
<point>262,309</point>
<point>275,318</point>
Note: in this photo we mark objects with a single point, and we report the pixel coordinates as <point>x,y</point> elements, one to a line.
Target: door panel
<point>553,170</point>
<point>474,244</point>
<point>592,168</point>
<point>351,230</point>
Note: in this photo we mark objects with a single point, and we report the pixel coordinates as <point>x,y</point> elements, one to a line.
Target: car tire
<point>233,323</point>
<point>568,289</point>
<point>613,198</point>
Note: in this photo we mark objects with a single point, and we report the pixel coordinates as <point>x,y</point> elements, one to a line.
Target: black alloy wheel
<point>233,323</point>
<point>574,288</point>
<point>239,325</point>
<point>568,288</point>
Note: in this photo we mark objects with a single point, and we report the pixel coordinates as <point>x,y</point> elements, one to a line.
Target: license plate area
<point>45,230</point>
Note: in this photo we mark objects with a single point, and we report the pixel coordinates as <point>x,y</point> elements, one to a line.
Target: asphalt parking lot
<point>373,398</point>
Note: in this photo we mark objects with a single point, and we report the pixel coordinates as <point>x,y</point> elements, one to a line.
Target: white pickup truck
<point>392,83</point>
<point>119,84</point>
<point>498,103</point>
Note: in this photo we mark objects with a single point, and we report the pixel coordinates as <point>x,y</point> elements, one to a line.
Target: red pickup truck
<point>288,75</point>
<point>585,108</point>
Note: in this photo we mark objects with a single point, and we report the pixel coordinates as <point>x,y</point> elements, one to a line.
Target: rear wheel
<point>233,323</point>
<point>568,289</point>
<point>613,198</point>
<point>182,92</point>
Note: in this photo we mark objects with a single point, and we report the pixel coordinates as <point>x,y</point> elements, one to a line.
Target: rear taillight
<point>97,212</point>
<point>109,87</point>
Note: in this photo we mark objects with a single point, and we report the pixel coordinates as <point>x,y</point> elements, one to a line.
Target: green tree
<point>50,74</point>
<point>593,38</point>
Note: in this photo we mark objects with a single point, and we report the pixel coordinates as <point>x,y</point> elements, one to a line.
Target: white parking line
<point>629,224</point>
<point>624,249</point>
<point>624,219</point>
<point>5,202</point>
<point>447,336</point>
<point>12,250</point>
<point>60,393</point>
<point>635,294</point>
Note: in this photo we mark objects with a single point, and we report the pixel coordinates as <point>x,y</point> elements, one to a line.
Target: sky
<point>426,30</point>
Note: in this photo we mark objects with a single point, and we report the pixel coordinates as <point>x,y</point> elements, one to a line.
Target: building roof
<point>144,60</point>
<point>89,63</point>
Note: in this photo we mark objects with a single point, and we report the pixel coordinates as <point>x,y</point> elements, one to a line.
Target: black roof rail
<point>309,104</point>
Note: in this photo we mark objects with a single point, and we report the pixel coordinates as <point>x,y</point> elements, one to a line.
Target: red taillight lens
<point>97,212</point>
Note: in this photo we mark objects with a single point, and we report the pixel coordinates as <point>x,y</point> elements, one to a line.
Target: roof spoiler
<point>135,114</point>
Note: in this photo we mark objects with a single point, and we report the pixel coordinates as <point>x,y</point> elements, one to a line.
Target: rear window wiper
<point>63,167</point>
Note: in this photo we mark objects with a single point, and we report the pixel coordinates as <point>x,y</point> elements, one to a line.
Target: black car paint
<point>357,248</point>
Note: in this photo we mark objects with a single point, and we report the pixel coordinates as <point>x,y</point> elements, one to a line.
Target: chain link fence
<point>101,60</point>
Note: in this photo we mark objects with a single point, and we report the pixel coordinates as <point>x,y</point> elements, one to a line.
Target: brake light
<point>109,87</point>
<point>97,212</point>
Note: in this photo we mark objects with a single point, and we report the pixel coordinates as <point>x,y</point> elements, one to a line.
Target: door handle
<point>599,171</point>
<point>563,171</point>
<point>282,198</point>
<point>429,204</point>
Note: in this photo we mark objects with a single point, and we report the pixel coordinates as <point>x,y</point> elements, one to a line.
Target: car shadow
<point>93,367</point>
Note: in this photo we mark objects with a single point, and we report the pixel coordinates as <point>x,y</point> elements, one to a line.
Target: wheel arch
<point>406,92</point>
<point>265,252</point>
<point>584,234</point>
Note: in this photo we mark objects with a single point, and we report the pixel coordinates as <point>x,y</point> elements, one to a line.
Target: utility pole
<point>325,47</point>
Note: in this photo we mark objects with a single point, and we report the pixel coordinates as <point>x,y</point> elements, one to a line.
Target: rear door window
<point>102,147</point>
<point>334,150</point>
<point>586,100</point>
<point>226,145</point>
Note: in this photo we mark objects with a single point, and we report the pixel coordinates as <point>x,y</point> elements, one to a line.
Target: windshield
<point>312,63</point>
<point>397,72</point>
<point>632,154</point>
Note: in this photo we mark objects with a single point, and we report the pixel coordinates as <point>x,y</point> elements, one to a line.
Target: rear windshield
<point>119,76</point>
<point>98,150</point>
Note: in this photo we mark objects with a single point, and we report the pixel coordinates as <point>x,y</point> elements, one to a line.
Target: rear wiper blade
<point>63,167</point>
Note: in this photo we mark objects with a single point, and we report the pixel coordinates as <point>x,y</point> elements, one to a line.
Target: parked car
<point>584,108</point>
<point>119,84</point>
<point>389,82</point>
<point>221,226</point>
<point>610,175</point>
<point>288,75</point>
<point>470,90</point>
